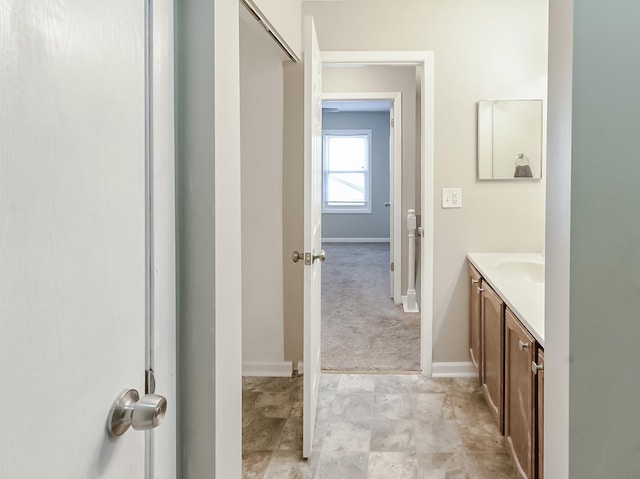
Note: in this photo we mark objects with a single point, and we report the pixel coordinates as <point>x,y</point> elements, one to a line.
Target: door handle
<point>309,258</point>
<point>321,255</point>
<point>129,410</point>
<point>387,203</point>
<point>536,367</point>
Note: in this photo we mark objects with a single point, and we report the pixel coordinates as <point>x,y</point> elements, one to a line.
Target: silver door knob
<point>387,203</point>
<point>131,410</point>
<point>321,255</point>
<point>297,256</point>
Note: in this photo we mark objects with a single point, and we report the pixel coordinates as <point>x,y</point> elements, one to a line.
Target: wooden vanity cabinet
<point>520,396</point>
<point>539,368</point>
<point>475,338</point>
<point>492,357</point>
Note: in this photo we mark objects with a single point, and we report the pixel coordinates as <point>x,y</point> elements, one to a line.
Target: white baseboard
<point>300,368</point>
<point>453,370</point>
<point>282,369</point>
<point>355,240</point>
<point>405,308</point>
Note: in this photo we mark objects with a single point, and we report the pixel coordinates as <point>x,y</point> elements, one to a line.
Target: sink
<point>529,270</point>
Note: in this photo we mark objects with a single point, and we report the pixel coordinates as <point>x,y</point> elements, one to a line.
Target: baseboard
<point>282,369</point>
<point>453,370</point>
<point>355,240</point>
<point>300,368</point>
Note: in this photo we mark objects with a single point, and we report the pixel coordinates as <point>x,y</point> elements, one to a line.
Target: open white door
<point>313,255</point>
<point>73,212</point>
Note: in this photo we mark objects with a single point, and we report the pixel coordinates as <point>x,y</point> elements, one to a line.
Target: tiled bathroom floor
<point>373,427</point>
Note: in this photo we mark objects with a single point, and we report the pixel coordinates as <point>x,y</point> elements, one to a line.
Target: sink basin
<point>528,270</point>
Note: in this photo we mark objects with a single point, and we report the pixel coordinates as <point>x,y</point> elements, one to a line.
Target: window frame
<point>326,135</point>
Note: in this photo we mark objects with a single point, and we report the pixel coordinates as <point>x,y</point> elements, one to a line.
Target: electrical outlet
<point>452,197</point>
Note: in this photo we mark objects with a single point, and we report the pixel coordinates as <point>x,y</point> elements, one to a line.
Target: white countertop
<point>524,297</point>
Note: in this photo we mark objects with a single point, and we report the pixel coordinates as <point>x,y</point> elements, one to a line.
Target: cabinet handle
<point>522,345</point>
<point>536,367</point>
<point>480,290</point>
<point>474,281</point>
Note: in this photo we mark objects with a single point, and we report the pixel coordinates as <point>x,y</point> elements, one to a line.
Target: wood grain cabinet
<point>510,364</point>
<point>492,357</point>
<point>520,396</point>
<point>538,369</point>
<point>475,338</point>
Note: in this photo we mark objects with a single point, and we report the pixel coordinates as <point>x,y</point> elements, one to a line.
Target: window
<point>346,171</point>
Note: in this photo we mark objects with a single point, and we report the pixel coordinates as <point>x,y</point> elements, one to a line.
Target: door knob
<point>131,410</point>
<point>309,258</point>
<point>321,255</point>
<point>387,203</point>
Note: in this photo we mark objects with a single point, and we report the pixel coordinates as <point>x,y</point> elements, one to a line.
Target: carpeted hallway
<point>362,329</point>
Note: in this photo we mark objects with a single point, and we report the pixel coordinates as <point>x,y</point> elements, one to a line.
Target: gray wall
<point>195,238</point>
<point>605,242</point>
<point>376,223</point>
<point>558,233</point>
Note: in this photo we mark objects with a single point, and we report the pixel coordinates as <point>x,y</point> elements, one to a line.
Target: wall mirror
<point>509,139</point>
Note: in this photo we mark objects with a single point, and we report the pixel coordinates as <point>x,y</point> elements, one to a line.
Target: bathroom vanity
<point>506,345</point>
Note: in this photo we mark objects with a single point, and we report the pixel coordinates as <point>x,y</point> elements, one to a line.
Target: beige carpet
<point>362,329</point>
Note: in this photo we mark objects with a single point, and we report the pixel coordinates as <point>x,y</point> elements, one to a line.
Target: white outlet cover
<point>452,197</point>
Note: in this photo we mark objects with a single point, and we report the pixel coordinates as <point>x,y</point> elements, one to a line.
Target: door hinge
<point>393,122</point>
<point>149,382</point>
<point>392,264</point>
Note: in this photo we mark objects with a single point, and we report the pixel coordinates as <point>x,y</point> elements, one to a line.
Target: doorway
<point>421,67</point>
<point>390,102</point>
<point>364,327</point>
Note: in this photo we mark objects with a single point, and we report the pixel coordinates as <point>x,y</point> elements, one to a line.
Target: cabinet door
<point>475,339</point>
<point>492,333</point>
<point>540,413</point>
<point>520,349</point>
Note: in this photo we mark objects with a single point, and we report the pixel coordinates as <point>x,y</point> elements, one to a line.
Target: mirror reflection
<point>509,139</point>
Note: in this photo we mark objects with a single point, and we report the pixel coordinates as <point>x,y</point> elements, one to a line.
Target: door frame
<point>424,63</point>
<point>395,178</point>
<point>161,448</point>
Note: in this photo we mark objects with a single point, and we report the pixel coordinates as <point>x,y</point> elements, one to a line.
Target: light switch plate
<point>452,197</point>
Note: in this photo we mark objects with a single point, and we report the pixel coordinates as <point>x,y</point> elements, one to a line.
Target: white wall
<point>376,223</point>
<point>495,49</point>
<point>558,234</point>
<point>261,100</point>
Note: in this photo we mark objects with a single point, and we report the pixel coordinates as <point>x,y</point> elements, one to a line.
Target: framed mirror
<point>509,139</point>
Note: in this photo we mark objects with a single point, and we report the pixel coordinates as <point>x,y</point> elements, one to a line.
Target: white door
<point>72,246</point>
<point>391,203</point>
<point>312,227</point>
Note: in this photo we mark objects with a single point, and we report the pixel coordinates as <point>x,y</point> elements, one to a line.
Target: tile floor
<point>373,427</point>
